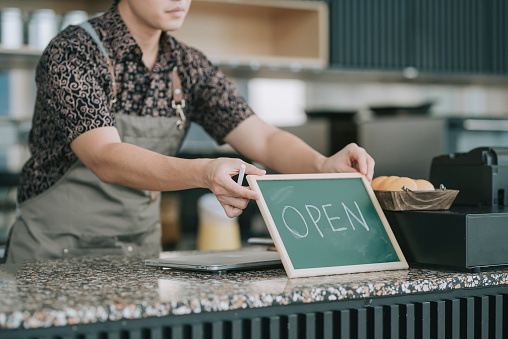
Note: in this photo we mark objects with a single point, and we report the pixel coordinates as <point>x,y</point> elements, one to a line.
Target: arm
<point>80,105</point>
<point>287,153</point>
<point>120,163</point>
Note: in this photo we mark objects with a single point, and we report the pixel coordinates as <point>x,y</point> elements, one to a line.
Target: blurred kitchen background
<point>406,79</point>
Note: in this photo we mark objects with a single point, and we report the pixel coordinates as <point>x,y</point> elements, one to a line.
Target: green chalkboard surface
<point>326,224</point>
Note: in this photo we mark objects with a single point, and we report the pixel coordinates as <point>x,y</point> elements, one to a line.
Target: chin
<point>172,25</point>
<point>169,28</point>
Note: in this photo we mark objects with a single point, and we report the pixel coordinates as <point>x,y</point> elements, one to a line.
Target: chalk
<point>242,173</point>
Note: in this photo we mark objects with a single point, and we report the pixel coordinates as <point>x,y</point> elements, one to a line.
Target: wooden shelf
<point>259,33</point>
<point>60,6</point>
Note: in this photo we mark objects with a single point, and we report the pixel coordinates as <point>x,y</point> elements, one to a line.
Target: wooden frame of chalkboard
<point>325,224</point>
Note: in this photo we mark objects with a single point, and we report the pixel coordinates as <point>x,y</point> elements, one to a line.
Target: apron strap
<point>90,30</point>
<point>178,103</point>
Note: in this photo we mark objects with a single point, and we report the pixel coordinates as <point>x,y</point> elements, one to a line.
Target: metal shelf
<point>27,58</point>
<point>24,58</point>
<point>334,75</point>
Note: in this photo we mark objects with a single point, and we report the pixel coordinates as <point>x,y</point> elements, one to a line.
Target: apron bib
<point>82,216</point>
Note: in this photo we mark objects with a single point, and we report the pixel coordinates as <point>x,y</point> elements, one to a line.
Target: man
<point>114,100</point>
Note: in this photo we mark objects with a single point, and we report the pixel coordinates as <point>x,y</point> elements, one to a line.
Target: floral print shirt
<point>74,91</point>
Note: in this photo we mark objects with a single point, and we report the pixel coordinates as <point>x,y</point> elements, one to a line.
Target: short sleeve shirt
<point>74,91</point>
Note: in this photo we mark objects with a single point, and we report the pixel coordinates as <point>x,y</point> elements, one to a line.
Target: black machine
<point>473,233</point>
<point>481,175</point>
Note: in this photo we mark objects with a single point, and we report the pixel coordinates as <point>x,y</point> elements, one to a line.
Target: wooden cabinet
<point>254,33</point>
<point>259,33</point>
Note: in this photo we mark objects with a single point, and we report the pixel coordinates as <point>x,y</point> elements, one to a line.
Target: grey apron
<point>82,216</point>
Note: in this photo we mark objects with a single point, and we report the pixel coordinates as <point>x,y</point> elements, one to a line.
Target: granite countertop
<point>79,291</point>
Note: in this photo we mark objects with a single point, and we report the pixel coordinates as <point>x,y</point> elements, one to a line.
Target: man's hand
<point>351,158</point>
<point>233,197</point>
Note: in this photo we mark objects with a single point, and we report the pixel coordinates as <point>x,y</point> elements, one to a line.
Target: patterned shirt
<point>74,89</point>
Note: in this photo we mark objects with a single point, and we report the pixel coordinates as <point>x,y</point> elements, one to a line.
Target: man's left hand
<point>351,158</point>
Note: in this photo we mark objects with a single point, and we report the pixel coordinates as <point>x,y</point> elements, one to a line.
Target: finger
<point>245,193</point>
<point>253,170</point>
<point>240,191</point>
<point>349,170</point>
<point>360,157</point>
<point>234,201</point>
<point>232,211</point>
<point>370,167</point>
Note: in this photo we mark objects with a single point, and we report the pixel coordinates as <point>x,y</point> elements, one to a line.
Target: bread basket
<point>408,200</point>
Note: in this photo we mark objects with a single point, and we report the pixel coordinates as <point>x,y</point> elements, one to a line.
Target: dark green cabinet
<point>434,36</point>
<point>498,36</point>
<point>450,36</point>
<point>368,34</point>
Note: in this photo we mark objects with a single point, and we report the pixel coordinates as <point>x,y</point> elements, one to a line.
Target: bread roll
<point>377,181</point>
<point>384,184</point>
<point>397,184</point>
<point>424,185</point>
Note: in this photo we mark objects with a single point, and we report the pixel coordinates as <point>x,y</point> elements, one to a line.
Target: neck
<point>146,37</point>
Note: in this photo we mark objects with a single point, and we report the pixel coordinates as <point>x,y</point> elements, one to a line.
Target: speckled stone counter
<point>83,291</point>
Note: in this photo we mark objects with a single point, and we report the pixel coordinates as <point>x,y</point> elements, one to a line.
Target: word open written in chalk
<point>315,215</point>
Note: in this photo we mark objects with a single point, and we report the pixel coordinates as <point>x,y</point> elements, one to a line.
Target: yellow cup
<point>216,231</point>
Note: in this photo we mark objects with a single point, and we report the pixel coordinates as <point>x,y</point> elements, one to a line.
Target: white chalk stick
<point>241,175</point>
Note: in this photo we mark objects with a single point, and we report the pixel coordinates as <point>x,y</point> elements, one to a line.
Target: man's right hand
<point>233,197</point>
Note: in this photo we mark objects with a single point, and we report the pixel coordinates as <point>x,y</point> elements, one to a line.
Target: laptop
<point>220,262</point>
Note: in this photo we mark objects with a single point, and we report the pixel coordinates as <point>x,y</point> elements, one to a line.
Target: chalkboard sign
<point>326,224</point>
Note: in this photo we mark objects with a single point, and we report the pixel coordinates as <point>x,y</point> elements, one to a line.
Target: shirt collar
<point>121,43</point>
<point>166,58</point>
<point>116,37</point>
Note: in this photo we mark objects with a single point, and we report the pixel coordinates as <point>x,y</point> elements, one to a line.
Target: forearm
<point>129,165</point>
<point>274,148</point>
<point>286,153</point>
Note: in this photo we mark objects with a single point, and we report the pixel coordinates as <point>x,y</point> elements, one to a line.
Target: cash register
<point>473,233</point>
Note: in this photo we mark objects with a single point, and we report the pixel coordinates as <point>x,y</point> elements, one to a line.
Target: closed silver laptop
<point>219,262</point>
